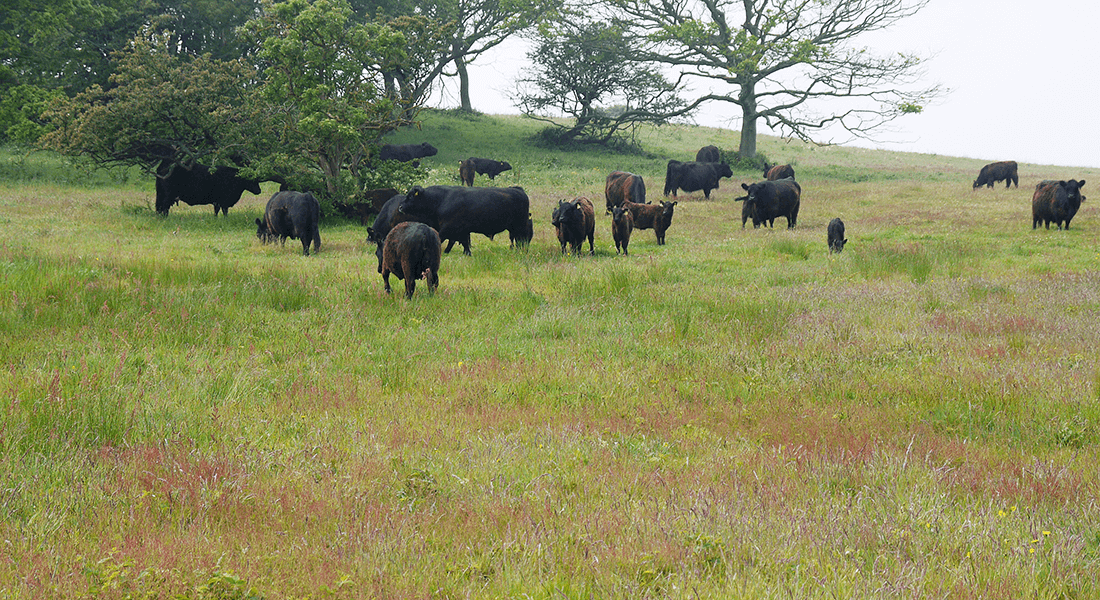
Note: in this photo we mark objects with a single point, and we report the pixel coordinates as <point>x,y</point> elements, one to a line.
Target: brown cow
<point>622,224</point>
<point>412,251</point>
<point>777,172</point>
<point>652,216</point>
<point>623,187</point>
<point>1056,202</point>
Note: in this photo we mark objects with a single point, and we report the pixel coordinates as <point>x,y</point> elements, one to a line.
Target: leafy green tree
<point>782,56</point>
<point>322,89</point>
<point>584,70</point>
<point>68,44</point>
<point>160,106</point>
<point>21,111</point>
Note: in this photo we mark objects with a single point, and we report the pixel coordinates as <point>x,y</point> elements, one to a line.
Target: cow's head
<point>1073,191</point>
<point>667,208</point>
<point>262,231</point>
<point>555,216</point>
<point>252,185</point>
<point>753,191</point>
<point>416,202</point>
<point>724,170</point>
<point>619,214</point>
<point>428,149</point>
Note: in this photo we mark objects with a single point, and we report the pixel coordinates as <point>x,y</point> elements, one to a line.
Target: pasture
<point>187,413</point>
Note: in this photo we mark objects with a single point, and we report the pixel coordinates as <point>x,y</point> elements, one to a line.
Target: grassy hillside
<point>737,413</point>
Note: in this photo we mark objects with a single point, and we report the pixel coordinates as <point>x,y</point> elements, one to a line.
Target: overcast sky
<point>1022,75</point>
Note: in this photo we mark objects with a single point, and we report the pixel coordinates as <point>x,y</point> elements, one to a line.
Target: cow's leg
<point>386,279</point>
<point>465,241</point>
<point>305,246</point>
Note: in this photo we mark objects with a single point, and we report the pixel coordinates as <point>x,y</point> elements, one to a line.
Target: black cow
<point>836,236</point>
<point>694,176</point>
<point>999,171</point>
<point>1056,202</point>
<point>221,186</point>
<point>575,220</point>
<point>708,154</point>
<point>461,211</point>
<point>623,187</point>
<point>406,152</point>
<point>777,172</point>
<point>293,215</point>
<point>622,224</point>
<point>770,199</point>
<point>411,251</point>
<point>481,166</point>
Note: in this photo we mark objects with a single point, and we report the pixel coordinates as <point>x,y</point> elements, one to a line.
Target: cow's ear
<point>259,222</point>
<point>1081,183</point>
<point>744,186</point>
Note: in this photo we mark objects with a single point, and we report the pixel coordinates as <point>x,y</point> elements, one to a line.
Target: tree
<point>322,87</point>
<point>780,56</point>
<point>62,44</point>
<point>160,106</point>
<point>584,70</point>
<point>308,115</point>
<point>480,25</point>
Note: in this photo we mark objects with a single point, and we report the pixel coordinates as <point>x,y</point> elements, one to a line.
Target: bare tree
<point>782,56</point>
<point>480,25</point>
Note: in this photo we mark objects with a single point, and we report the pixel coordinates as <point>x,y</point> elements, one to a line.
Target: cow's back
<point>621,187</point>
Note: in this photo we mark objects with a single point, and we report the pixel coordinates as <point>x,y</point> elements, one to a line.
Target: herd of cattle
<point>410,228</point>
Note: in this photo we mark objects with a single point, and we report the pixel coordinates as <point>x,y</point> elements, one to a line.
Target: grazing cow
<point>411,251</point>
<point>777,172</point>
<point>623,187</point>
<point>406,152</point>
<point>386,220</point>
<point>220,186</point>
<point>461,211</point>
<point>291,215</point>
<point>1056,202</point>
<point>836,236</point>
<point>575,220</point>
<point>481,166</point>
<point>770,199</point>
<point>708,154</point>
<point>622,224</point>
<point>746,211</point>
<point>694,176</point>
<point>652,216</point>
<point>999,171</point>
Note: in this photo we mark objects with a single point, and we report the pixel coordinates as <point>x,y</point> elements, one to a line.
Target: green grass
<point>738,413</point>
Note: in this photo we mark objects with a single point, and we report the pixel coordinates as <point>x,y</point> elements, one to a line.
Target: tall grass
<point>187,413</point>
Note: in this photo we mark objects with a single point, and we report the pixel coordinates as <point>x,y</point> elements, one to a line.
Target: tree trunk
<point>463,83</point>
<point>748,120</point>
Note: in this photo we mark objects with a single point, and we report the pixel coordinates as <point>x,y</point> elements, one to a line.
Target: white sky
<point>1022,74</point>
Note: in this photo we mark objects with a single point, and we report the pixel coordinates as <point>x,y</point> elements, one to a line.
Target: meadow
<point>187,413</point>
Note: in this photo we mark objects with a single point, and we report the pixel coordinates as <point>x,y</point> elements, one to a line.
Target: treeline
<point>302,91</point>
